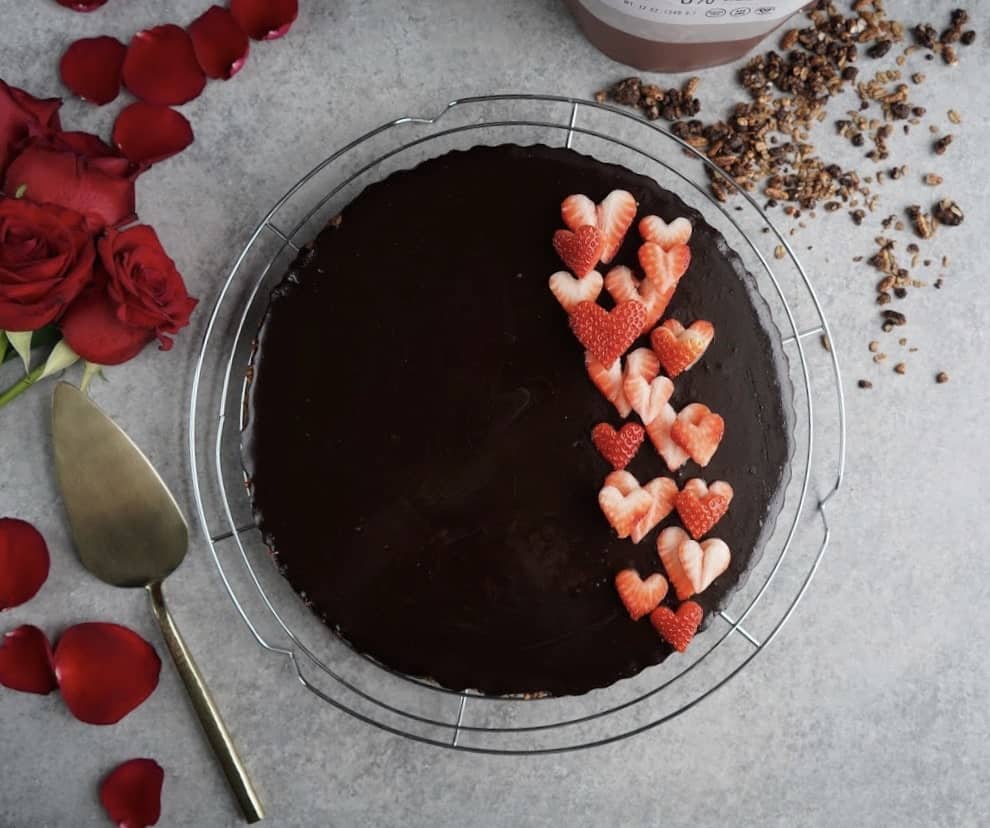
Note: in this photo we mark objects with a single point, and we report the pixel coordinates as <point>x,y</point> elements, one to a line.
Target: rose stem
<point>21,385</point>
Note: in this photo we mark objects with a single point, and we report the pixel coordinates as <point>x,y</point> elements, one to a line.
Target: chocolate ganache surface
<point>417,441</point>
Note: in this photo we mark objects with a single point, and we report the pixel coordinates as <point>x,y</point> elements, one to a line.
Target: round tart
<point>419,445</point>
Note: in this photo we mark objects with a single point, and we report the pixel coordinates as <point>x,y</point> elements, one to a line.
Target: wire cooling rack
<point>752,616</point>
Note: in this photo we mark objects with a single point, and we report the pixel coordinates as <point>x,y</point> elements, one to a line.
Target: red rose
<point>23,116</point>
<point>76,170</point>
<point>136,296</point>
<point>46,258</point>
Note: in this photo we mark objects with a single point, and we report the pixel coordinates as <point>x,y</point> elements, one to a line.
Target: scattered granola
<point>763,144</point>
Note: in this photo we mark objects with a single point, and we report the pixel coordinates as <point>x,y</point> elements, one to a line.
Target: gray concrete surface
<point>871,707</point>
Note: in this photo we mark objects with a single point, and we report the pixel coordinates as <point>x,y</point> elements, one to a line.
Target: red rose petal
<point>23,562</point>
<point>91,328</point>
<point>91,68</point>
<point>26,661</point>
<point>265,19</point>
<point>132,793</point>
<point>149,133</point>
<point>66,170</point>
<point>23,116</point>
<point>81,5</point>
<point>161,66</point>
<point>220,43</point>
<point>104,671</point>
<point>88,145</point>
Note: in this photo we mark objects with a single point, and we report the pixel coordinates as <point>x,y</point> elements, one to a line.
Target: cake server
<point>129,532</point>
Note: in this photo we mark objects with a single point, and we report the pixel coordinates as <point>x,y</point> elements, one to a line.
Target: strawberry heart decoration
<point>618,447</point>
<point>698,431</point>
<point>607,334</point>
<point>664,267</point>
<point>623,502</point>
<point>703,562</point>
<point>612,217</point>
<point>701,506</point>
<point>623,286</point>
<point>581,249</point>
<point>679,348</point>
<point>655,229</point>
<point>643,389</point>
<point>677,629</point>
<point>640,597</point>
<point>571,292</point>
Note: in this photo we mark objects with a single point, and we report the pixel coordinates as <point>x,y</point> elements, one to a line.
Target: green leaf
<point>90,370</point>
<point>3,346</point>
<point>61,357</point>
<point>21,342</point>
<point>20,191</point>
<point>43,340</point>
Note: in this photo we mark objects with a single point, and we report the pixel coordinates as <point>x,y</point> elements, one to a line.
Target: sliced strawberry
<point>623,502</point>
<point>577,211</point>
<point>581,249</point>
<point>698,431</point>
<point>615,215</point>
<point>669,542</point>
<point>655,229</point>
<point>640,597</point>
<point>701,506</point>
<point>622,286</point>
<point>664,267</point>
<point>607,334</point>
<point>646,392</point>
<point>571,292</point>
<point>609,382</point>
<point>680,348</point>
<point>663,494</point>
<point>618,447</point>
<point>659,431</point>
<point>702,563</point>
<point>677,628</point>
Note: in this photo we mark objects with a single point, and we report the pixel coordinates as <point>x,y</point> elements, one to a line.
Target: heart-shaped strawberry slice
<point>612,217</point>
<point>571,292</point>
<point>677,629</point>
<point>680,348</point>
<point>655,229</point>
<point>664,267</point>
<point>581,249</point>
<point>646,392</point>
<point>623,502</point>
<point>607,334</point>
<point>698,431</point>
<point>618,447</point>
<point>702,562</point>
<point>622,286</point>
<point>701,506</point>
<point>640,597</point>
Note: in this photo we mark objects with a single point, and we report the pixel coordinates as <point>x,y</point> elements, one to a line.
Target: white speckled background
<point>871,707</point>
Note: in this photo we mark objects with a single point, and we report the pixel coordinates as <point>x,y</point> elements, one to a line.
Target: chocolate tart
<point>417,442</point>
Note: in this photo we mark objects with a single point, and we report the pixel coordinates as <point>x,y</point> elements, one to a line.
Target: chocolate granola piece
<point>947,212</point>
